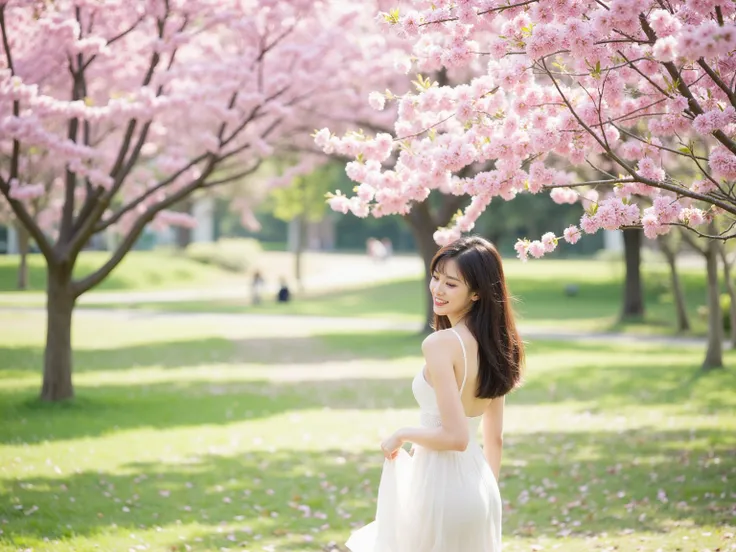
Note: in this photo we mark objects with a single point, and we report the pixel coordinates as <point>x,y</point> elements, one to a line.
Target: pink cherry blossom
<point>377,101</point>
<point>541,90</point>
<point>572,234</point>
<point>522,249</point>
<point>723,163</point>
<point>549,240</point>
<point>537,249</point>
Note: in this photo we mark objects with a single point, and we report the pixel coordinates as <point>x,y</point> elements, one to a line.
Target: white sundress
<point>435,501</point>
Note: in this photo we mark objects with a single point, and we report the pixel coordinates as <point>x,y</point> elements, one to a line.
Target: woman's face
<point>451,296</point>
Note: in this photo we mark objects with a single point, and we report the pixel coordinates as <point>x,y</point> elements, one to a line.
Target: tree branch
<point>15,155</point>
<point>148,193</point>
<point>88,282</point>
<point>27,220</point>
<point>636,137</point>
<point>97,202</point>
<point>116,38</point>
<point>716,79</point>
<point>233,177</point>
<point>500,8</point>
<point>643,75</point>
<point>70,184</point>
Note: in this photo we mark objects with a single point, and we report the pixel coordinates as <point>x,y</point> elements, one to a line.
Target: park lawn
<point>139,270</point>
<point>540,289</point>
<point>197,433</point>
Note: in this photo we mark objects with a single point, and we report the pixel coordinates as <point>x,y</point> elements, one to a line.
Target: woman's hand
<point>391,446</point>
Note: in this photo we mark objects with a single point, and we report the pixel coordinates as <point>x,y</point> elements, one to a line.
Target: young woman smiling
<point>445,496</point>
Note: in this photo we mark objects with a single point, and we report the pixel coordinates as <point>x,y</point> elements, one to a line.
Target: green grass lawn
<point>138,270</point>
<point>539,287</point>
<point>196,433</point>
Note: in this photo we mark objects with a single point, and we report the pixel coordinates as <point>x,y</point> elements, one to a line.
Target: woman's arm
<point>493,434</point>
<point>453,431</point>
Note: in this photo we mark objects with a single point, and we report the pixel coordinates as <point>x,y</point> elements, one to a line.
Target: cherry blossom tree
<point>116,111</point>
<point>642,85</point>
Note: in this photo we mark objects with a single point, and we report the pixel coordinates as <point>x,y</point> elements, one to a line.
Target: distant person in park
<point>257,287</point>
<point>284,295</point>
<point>444,496</point>
<point>388,248</point>
<point>375,249</point>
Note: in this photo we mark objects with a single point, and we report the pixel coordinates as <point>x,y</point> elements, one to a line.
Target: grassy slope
<point>208,435</point>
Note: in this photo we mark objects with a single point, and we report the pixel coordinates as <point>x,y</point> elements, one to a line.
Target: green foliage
<point>306,195</point>
<point>725,300</point>
<point>422,83</point>
<point>392,16</point>
<point>529,216</point>
<point>352,232</point>
<point>233,254</point>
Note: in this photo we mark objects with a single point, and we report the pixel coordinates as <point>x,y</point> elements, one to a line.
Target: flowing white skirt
<point>434,501</point>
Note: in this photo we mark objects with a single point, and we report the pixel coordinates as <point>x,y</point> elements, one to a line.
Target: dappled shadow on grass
<point>215,350</point>
<point>169,354</point>
<point>247,494</point>
<point>584,483</point>
<point>608,481</point>
<point>106,409</point>
<point>593,377</point>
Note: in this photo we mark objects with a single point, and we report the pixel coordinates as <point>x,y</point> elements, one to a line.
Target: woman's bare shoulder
<point>438,341</point>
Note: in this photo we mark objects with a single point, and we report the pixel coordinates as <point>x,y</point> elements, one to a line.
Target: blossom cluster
<point>556,93</point>
<point>143,100</point>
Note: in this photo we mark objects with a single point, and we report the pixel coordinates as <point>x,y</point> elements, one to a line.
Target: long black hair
<point>491,319</point>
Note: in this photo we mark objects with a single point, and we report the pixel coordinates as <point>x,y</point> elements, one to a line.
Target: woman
<point>445,497</point>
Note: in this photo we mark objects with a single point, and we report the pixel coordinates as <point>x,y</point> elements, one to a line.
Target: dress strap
<point>465,360</point>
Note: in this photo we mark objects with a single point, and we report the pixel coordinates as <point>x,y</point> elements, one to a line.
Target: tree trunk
<point>423,229</point>
<point>301,222</point>
<point>714,351</point>
<point>731,292</point>
<point>23,246</point>
<point>183,233</point>
<point>633,305</point>
<point>57,365</point>
<point>683,323</point>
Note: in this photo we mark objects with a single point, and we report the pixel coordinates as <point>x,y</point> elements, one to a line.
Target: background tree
<point>709,249</point>
<point>304,201</point>
<point>643,85</point>
<point>137,105</point>
<point>727,261</point>
<point>670,245</point>
<point>632,307</point>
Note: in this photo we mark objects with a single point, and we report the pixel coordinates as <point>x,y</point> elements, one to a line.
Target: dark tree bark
<point>714,350</point>
<point>184,233</point>
<point>714,346</point>
<point>424,221</point>
<point>23,246</point>
<point>57,365</point>
<point>422,226</point>
<point>670,254</point>
<point>633,300</point>
<point>301,236</point>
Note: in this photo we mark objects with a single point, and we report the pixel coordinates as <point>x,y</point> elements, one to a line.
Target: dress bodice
<point>429,411</point>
